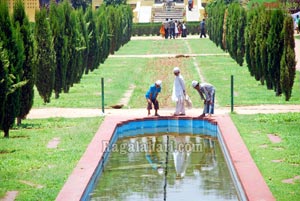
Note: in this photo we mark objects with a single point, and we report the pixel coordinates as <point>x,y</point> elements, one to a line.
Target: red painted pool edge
<point>251,179</point>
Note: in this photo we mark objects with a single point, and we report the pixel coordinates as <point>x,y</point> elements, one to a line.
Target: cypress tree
<point>261,41</point>
<point>287,63</point>
<point>104,41</point>
<point>241,36</point>
<point>93,44</point>
<point>27,92</point>
<point>71,34</point>
<point>57,24</point>
<point>126,23</point>
<point>13,44</point>
<point>250,38</point>
<point>83,41</point>
<point>4,64</point>
<point>231,29</point>
<point>275,49</point>
<point>45,61</point>
<point>74,49</point>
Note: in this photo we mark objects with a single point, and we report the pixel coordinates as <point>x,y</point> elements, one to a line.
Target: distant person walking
<point>184,30</point>
<point>172,29</point>
<point>167,27</point>
<point>207,93</point>
<point>202,27</point>
<point>151,96</point>
<point>178,94</point>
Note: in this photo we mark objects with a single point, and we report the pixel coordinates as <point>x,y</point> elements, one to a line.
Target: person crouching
<point>151,97</point>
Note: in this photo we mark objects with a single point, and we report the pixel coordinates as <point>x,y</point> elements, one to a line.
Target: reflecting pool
<point>164,166</point>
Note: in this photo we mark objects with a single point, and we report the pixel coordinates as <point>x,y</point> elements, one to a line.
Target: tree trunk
<point>19,121</point>
<point>6,133</point>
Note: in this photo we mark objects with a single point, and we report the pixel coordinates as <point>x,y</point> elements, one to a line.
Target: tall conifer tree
<point>27,92</point>
<point>57,24</point>
<point>45,60</point>
<point>13,44</point>
<point>287,63</point>
<point>275,49</point>
<point>4,64</point>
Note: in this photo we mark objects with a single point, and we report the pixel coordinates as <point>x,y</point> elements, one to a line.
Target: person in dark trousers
<point>172,29</point>
<point>207,93</point>
<point>202,29</point>
<point>151,96</point>
<point>167,27</point>
<point>184,30</point>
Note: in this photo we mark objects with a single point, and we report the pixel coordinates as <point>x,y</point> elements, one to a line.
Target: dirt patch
<point>31,184</point>
<point>53,143</point>
<point>10,196</point>
<point>274,138</point>
<point>291,180</point>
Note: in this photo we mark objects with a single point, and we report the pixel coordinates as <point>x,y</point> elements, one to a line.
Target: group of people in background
<point>179,96</point>
<point>173,29</point>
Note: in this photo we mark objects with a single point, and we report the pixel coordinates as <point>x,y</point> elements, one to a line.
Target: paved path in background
<point>142,112</point>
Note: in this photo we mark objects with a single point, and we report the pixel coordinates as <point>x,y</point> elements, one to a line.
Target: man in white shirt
<point>178,94</point>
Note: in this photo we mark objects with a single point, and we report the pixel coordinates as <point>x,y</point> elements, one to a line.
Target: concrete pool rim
<point>251,180</point>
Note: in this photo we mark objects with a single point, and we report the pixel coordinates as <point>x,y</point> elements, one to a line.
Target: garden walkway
<point>86,112</point>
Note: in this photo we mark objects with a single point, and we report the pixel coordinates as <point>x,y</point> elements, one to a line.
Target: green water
<point>144,168</point>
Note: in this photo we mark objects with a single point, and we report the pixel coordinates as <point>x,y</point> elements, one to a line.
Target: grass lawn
<point>38,172</point>
<point>121,73</point>
<point>254,130</point>
<point>27,164</point>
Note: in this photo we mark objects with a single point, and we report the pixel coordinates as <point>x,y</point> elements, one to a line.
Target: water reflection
<point>136,169</point>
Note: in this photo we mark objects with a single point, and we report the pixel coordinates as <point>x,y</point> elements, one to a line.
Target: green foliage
<point>262,31</point>
<point>13,44</point>
<point>287,63</point>
<point>258,38</point>
<point>57,23</point>
<point>275,49</point>
<point>104,40</point>
<point>250,44</point>
<point>152,29</point>
<point>93,41</point>
<point>27,92</point>
<point>45,61</point>
<point>234,35</point>
<point>215,22</point>
<point>114,2</point>
<point>4,64</point>
<point>113,24</point>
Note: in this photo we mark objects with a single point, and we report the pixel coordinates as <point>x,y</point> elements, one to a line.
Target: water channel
<point>164,166</point>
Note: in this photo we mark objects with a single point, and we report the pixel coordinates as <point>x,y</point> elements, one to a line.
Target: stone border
<point>252,182</point>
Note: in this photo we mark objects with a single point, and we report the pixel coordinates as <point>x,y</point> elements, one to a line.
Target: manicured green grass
<point>254,130</point>
<point>37,172</point>
<point>121,73</point>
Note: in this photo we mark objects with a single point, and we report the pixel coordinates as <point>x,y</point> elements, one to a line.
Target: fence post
<point>232,93</point>
<point>102,93</point>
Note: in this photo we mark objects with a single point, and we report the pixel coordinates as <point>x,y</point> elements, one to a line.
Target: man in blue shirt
<point>151,96</point>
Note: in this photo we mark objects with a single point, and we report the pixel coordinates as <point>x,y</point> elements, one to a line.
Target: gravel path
<point>142,112</point>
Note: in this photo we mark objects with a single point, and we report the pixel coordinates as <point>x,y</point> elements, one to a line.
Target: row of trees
<point>54,53</point>
<point>263,37</point>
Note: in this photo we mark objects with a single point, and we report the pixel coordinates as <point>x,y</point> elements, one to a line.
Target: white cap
<point>176,70</point>
<point>194,83</point>
<point>158,82</point>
